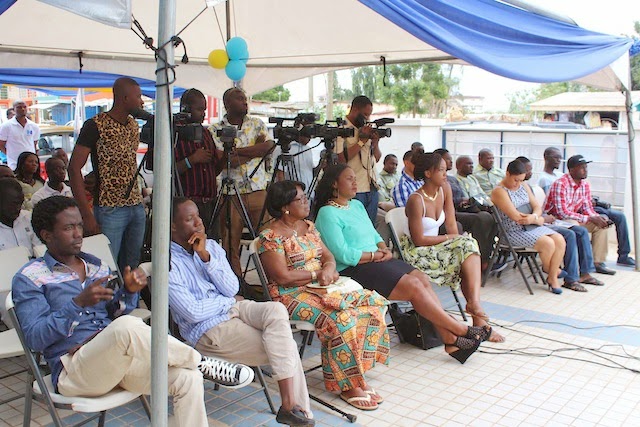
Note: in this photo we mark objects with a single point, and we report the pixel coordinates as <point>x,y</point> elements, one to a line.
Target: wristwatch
<point>314,276</point>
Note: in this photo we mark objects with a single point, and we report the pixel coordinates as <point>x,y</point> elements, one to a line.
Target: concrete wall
<point>405,132</point>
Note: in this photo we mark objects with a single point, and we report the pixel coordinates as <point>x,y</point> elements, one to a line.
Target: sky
<point>611,16</point>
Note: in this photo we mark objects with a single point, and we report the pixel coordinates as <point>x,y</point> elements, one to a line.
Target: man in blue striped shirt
<point>217,322</point>
<point>407,183</point>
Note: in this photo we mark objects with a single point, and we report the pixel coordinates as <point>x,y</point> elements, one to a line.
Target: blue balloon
<point>236,70</point>
<point>237,49</point>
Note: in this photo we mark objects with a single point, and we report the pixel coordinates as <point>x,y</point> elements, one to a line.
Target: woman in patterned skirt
<point>452,259</point>
<point>526,229</point>
<point>350,326</point>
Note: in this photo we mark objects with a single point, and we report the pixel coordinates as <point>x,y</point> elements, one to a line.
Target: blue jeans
<point>622,231</point>
<point>578,256</point>
<point>124,226</point>
<point>370,202</point>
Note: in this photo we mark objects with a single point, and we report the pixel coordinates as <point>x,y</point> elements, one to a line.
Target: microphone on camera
<point>142,114</point>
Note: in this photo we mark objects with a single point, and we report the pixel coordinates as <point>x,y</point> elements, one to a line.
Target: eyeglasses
<point>302,199</point>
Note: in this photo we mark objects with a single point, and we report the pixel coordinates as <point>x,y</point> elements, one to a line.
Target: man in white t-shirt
<point>18,135</point>
<point>552,161</point>
<point>55,186</point>
<point>15,227</point>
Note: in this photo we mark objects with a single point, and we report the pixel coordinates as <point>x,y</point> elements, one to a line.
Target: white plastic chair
<point>538,192</point>
<point>397,221</point>
<point>40,388</point>
<point>10,262</point>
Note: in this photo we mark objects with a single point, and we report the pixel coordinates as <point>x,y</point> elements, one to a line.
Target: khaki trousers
<point>254,203</point>
<point>120,355</point>
<point>599,242</point>
<point>259,333</point>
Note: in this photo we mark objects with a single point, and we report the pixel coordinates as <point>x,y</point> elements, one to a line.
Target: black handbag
<point>413,328</point>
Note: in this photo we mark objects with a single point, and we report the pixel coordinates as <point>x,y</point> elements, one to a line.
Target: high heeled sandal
<point>479,332</point>
<point>466,347</point>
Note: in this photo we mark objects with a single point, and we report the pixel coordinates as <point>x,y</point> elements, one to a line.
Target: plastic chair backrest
<point>10,262</point>
<point>538,192</point>
<point>100,246</point>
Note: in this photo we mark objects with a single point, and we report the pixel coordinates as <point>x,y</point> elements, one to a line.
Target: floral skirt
<point>441,262</point>
<point>351,328</point>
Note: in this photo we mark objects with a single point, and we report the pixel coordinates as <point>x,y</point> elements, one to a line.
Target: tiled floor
<point>569,360</point>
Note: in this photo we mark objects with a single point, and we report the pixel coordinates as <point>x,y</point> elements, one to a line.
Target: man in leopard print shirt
<point>112,139</point>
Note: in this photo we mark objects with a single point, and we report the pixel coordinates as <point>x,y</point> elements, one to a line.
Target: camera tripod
<point>229,195</point>
<point>328,158</point>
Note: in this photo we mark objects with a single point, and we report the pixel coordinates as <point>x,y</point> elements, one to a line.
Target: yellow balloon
<point>218,58</point>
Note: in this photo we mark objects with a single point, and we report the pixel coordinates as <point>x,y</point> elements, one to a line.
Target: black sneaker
<point>230,375</point>
<point>498,267</point>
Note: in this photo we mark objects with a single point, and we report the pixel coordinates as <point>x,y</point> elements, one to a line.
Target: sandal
<point>492,334</point>
<point>482,316</point>
<point>466,347</point>
<point>575,286</point>
<point>375,397</point>
<point>481,333</point>
<point>356,402</point>
<point>591,281</point>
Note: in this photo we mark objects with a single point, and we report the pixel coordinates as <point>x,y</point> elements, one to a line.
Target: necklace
<point>433,199</point>
<point>337,205</point>
<point>295,233</point>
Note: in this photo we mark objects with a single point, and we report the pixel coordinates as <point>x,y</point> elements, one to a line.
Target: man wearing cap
<point>570,199</point>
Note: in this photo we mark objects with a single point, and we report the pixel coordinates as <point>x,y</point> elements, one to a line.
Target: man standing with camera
<point>361,153</point>
<point>250,145</point>
<point>112,139</point>
<point>198,161</point>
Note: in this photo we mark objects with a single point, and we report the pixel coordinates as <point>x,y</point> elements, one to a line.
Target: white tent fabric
<point>287,39</point>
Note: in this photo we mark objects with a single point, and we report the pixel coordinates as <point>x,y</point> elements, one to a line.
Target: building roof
<point>585,101</point>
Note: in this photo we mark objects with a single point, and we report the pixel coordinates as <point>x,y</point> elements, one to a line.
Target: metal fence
<point>607,149</point>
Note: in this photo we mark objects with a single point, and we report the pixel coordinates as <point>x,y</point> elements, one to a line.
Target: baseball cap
<point>576,160</point>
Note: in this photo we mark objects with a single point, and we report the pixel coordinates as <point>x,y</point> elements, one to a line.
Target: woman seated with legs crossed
<point>351,326</point>
<point>451,259</point>
<point>522,219</point>
<point>361,254</point>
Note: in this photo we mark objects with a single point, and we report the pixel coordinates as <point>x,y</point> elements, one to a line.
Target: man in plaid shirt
<point>570,199</point>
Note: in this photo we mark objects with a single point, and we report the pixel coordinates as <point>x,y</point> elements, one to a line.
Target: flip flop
<point>591,281</point>
<point>355,401</point>
<point>375,397</point>
<point>575,286</point>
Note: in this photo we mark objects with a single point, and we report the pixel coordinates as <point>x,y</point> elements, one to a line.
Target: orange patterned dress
<point>351,327</point>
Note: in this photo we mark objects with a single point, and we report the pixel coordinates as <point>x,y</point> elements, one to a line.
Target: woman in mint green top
<point>361,254</point>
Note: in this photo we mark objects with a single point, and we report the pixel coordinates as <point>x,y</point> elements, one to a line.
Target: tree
<point>418,88</point>
<point>339,93</point>
<point>547,90</point>
<point>634,63</point>
<point>367,81</point>
<point>520,100</point>
<point>276,94</point>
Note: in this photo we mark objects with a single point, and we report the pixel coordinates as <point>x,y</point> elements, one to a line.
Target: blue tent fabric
<point>503,39</point>
<point>6,4</point>
<point>54,78</point>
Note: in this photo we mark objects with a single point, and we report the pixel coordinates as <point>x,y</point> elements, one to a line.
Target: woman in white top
<point>451,259</point>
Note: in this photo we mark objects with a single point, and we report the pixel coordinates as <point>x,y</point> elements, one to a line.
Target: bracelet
<point>373,254</point>
<point>314,276</point>
<point>187,162</point>
<point>446,237</point>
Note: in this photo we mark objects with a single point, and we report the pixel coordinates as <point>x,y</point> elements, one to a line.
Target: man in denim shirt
<point>68,313</point>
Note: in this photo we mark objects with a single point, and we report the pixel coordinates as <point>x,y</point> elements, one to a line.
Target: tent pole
<point>161,217</point>
<point>634,176</point>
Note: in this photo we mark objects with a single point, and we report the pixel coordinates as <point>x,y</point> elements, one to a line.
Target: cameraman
<point>251,145</point>
<point>361,153</point>
<point>198,161</point>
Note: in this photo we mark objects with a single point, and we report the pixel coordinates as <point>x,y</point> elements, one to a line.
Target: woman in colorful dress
<point>361,254</point>
<point>510,197</point>
<point>351,326</point>
<point>29,176</point>
<point>453,259</point>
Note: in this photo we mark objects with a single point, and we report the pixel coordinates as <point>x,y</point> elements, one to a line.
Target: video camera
<point>182,127</point>
<point>382,132</point>
<point>227,135</point>
<point>304,126</point>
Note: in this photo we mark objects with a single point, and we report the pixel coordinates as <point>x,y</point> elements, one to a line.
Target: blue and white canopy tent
<point>292,39</point>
